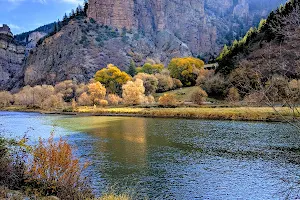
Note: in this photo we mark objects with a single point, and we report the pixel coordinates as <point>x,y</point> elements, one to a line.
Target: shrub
<point>149,99</point>
<point>215,86</point>
<point>67,89</point>
<point>103,103</point>
<point>12,159</point>
<point>177,83</point>
<point>84,100</point>
<point>199,96</point>
<point>167,100</point>
<point>150,82</point>
<point>254,98</point>
<point>114,99</point>
<point>165,83</point>
<point>133,92</point>
<point>233,95</point>
<point>55,171</point>
<point>5,99</point>
<point>53,101</point>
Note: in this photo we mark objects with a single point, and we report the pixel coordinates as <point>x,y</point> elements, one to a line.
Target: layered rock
<point>81,48</point>
<point>201,24</point>
<point>12,58</point>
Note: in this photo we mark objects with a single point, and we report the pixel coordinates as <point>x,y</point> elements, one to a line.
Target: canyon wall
<point>12,58</point>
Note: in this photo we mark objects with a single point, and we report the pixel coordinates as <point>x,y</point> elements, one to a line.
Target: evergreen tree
<point>132,68</point>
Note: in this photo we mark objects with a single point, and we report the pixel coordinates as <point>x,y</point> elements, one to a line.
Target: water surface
<point>175,158</point>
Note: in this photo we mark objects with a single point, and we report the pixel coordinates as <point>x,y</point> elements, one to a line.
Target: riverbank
<point>213,113</point>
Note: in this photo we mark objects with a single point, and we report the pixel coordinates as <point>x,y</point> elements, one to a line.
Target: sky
<point>27,15</point>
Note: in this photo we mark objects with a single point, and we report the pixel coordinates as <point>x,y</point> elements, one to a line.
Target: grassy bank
<point>231,113</point>
<point>215,113</point>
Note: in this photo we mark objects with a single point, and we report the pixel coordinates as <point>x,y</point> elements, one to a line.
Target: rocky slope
<point>82,47</point>
<point>12,58</point>
<point>204,25</point>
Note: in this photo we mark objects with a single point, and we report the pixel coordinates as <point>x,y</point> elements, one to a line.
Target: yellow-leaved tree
<point>112,78</point>
<point>186,69</point>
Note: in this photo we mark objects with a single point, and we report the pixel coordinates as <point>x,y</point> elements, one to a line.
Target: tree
<point>97,92</point>
<point>5,98</point>
<point>133,92</point>
<point>112,78</point>
<point>132,68</point>
<point>165,82</point>
<point>151,68</point>
<point>199,96</point>
<point>150,82</point>
<point>84,100</point>
<point>233,95</point>
<point>185,69</point>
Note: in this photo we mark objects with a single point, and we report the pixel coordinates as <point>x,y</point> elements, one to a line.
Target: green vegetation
<point>186,69</point>
<point>267,30</point>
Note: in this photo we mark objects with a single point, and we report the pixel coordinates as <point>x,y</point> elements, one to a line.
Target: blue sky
<point>26,15</point>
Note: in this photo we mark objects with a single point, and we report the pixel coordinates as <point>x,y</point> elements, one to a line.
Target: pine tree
<point>132,68</point>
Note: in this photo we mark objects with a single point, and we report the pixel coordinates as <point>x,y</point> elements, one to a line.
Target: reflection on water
<point>177,159</point>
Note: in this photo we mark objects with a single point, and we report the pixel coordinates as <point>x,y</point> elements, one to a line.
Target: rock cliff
<point>204,25</point>
<point>12,58</point>
<point>83,47</point>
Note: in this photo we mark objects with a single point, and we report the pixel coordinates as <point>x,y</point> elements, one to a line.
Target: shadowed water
<point>175,158</point>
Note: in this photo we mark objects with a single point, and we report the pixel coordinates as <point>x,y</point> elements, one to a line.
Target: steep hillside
<point>82,47</point>
<point>11,61</point>
<point>204,25</point>
<point>272,48</point>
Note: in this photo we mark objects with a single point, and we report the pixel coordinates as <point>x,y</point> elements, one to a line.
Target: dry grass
<point>232,113</point>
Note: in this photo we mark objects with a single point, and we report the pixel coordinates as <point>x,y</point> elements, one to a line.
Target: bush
<point>12,167</point>
<point>103,103</point>
<point>53,101</point>
<point>133,92</point>
<point>199,96</point>
<point>114,99</point>
<point>177,83</point>
<point>84,100</point>
<point>167,100</point>
<point>150,82</point>
<point>165,83</point>
<point>6,99</point>
<point>55,171</point>
<point>233,95</point>
<point>149,99</point>
<point>215,86</point>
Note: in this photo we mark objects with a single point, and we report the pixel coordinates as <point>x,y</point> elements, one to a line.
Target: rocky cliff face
<point>81,48</point>
<point>202,24</point>
<point>12,58</point>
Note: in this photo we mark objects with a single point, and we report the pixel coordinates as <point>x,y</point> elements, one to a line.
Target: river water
<point>175,158</point>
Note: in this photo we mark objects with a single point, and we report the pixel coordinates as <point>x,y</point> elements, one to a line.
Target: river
<point>174,158</point>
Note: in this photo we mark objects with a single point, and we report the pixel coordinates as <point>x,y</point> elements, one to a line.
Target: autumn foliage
<point>56,171</point>
<point>167,100</point>
<point>186,69</point>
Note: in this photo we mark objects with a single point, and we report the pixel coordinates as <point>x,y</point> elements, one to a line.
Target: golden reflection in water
<point>127,141</point>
